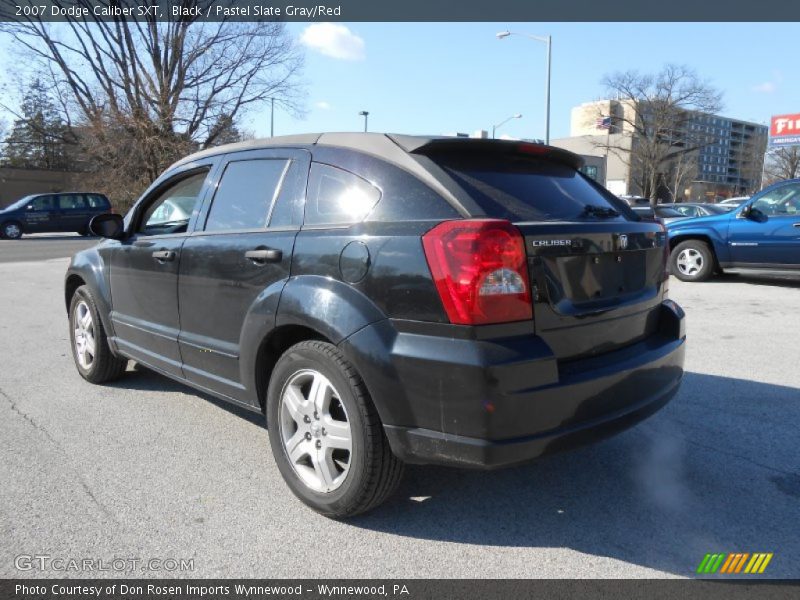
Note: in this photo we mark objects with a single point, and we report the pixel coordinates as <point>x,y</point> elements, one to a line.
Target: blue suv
<point>762,234</point>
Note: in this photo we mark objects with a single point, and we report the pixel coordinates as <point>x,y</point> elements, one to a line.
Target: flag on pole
<point>603,123</point>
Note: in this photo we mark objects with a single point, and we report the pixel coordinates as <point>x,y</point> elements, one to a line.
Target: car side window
<point>172,209</point>
<point>338,197</point>
<point>42,203</point>
<point>71,201</point>
<point>784,200</point>
<point>245,194</point>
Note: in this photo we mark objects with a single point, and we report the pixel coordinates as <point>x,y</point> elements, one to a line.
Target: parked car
<point>47,213</point>
<point>387,299</point>
<point>737,201</point>
<point>664,214</point>
<point>762,234</point>
<point>698,209</point>
<point>635,200</point>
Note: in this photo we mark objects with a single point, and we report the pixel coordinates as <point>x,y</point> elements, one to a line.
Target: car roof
<point>393,148</point>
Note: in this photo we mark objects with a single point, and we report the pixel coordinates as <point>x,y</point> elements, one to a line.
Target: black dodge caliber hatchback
<point>387,299</point>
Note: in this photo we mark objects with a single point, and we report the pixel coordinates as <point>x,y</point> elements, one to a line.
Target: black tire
<point>11,230</point>
<point>692,260</point>
<point>373,470</point>
<point>104,366</point>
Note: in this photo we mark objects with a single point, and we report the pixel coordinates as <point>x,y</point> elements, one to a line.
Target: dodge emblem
<point>623,241</point>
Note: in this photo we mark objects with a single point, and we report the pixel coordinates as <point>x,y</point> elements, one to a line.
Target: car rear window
<point>522,189</point>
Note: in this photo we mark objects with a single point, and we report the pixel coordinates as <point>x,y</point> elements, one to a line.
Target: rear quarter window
<point>524,189</point>
<point>338,197</point>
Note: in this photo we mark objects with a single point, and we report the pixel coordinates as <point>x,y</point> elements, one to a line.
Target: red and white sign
<point>784,130</point>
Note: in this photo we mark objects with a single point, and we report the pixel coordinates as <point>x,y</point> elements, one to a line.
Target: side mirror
<point>745,212</point>
<point>754,214</point>
<point>108,225</point>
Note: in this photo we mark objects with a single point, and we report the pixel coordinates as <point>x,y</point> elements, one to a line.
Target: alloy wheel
<point>689,262</point>
<point>315,431</point>
<point>12,231</point>
<point>85,346</point>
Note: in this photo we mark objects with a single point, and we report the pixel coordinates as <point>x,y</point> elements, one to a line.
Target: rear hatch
<point>596,270</point>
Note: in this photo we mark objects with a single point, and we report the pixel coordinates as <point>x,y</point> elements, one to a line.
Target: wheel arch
<point>708,239</point>
<point>88,268</point>
<point>305,308</point>
<point>272,347</point>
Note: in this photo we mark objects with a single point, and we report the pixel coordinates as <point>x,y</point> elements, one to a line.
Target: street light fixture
<point>365,114</point>
<point>549,41</point>
<point>501,123</point>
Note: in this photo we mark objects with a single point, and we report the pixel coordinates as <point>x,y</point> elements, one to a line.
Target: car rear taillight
<point>480,270</point>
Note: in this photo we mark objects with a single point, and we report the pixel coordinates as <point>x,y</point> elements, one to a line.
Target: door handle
<point>164,255</point>
<point>796,225</point>
<point>264,255</point>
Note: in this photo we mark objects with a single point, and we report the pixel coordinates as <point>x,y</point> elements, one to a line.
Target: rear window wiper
<point>592,210</point>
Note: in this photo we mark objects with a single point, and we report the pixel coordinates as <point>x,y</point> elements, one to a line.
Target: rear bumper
<point>493,403</point>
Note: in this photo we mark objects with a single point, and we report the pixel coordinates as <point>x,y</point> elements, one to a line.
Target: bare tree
<point>680,173</point>
<point>782,163</point>
<point>144,92</point>
<point>659,113</point>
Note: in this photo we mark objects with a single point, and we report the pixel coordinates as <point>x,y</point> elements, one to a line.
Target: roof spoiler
<point>459,145</point>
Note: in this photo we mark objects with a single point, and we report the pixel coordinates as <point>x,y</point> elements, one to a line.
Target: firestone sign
<point>785,130</point>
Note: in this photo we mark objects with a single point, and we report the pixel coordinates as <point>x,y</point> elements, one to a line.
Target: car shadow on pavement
<point>717,470</point>
<point>143,379</point>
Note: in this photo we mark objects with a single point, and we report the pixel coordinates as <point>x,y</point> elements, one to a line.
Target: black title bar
<point>404,10</point>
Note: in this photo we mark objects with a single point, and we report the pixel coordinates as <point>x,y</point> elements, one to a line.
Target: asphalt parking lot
<point>149,469</point>
<point>43,246</point>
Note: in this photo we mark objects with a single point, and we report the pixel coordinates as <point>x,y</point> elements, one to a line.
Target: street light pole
<point>548,40</point>
<point>365,114</point>
<point>501,123</point>
<point>272,119</point>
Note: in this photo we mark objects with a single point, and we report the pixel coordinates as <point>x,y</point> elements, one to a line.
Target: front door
<point>240,253</point>
<point>770,234</point>
<point>41,214</point>
<point>144,271</point>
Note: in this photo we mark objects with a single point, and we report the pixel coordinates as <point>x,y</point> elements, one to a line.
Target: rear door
<point>144,270</point>
<point>590,262</point>
<point>242,248</point>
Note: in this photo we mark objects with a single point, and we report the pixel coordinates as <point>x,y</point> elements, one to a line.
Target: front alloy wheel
<point>12,231</point>
<point>315,431</point>
<point>692,260</point>
<point>93,357</point>
<point>85,345</point>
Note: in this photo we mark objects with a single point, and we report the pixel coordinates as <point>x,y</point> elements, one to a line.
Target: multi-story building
<point>726,160</point>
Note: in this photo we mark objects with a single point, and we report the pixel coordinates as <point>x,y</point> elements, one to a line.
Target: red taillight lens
<point>480,270</point>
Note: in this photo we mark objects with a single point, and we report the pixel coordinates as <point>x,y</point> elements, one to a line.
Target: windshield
<point>520,189</point>
<point>20,203</point>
